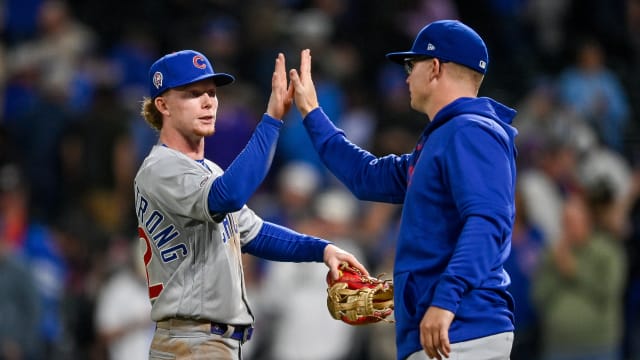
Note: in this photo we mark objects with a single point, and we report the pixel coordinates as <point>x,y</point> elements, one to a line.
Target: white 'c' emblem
<point>157,79</point>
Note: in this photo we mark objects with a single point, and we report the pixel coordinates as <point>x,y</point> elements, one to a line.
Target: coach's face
<point>191,109</point>
<point>419,79</point>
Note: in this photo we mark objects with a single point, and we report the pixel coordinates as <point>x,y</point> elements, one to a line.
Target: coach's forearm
<point>367,177</point>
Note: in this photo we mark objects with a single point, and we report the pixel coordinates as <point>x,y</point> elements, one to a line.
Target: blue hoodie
<point>457,189</point>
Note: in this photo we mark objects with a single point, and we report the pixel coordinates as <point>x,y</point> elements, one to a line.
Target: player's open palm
<point>434,332</point>
<point>281,97</point>
<point>305,92</point>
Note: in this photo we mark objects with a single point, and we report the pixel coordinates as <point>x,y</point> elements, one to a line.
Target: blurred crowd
<point>72,77</point>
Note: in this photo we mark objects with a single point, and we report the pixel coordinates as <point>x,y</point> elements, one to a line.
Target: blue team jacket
<point>457,190</point>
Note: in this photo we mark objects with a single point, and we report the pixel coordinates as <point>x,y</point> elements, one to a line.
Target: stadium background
<point>72,76</point>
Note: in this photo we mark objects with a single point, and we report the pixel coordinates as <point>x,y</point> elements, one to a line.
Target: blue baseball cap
<point>448,40</point>
<point>182,68</point>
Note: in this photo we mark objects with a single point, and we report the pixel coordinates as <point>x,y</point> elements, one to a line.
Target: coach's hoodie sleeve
<point>369,178</point>
<point>481,181</point>
<point>230,191</point>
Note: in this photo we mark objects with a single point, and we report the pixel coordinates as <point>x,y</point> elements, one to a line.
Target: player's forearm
<point>233,189</point>
<point>277,243</point>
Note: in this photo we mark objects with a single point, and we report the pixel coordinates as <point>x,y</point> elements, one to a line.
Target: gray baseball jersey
<point>193,263</point>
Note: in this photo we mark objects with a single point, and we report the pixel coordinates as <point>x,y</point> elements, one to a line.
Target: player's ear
<point>161,105</point>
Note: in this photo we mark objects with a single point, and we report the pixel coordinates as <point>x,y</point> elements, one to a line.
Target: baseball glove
<point>357,299</point>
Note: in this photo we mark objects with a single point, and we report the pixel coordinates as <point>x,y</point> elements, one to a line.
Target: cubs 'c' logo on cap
<point>198,61</point>
<point>157,79</point>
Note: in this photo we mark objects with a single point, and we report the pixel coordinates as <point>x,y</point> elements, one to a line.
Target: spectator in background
<point>294,295</point>
<point>527,243</point>
<point>57,52</point>
<point>14,212</point>
<point>297,185</point>
<point>122,309</point>
<point>97,163</point>
<point>45,259</point>
<point>542,118</point>
<point>592,90</point>
<point>45,76</point>
<point>547,20</point>
<point>359,119</point>
<point>34,270</point>
<point>20,302</point>
<point>19,309</point>
<point>578,288</point>
<point>631,345</point>
<point>545,185</point>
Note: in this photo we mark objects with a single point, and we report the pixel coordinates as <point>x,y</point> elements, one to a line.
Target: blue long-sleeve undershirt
<point>277,243</point>
<point>230,191</point>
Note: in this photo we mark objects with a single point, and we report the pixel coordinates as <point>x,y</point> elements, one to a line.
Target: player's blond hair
<point>151,113</point>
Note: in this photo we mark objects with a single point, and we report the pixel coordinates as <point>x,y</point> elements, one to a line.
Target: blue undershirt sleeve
<point>230,191</point>
<point>278,243</point>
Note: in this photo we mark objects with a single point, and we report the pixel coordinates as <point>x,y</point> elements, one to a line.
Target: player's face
<point>192,108</point>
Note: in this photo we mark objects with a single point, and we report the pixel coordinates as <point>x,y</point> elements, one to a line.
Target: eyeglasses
<point>409,63</point>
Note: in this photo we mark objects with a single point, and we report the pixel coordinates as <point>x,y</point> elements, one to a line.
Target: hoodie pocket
<point>405,298</point>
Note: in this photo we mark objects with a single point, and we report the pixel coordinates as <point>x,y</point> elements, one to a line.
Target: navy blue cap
<point>182,68</point>
<point>448,40</point>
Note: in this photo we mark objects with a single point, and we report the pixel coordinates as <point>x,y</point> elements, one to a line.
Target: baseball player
<point>457,193</point>
<point>192,215</point>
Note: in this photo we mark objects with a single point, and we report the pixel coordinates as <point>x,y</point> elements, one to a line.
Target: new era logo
<point>482,64</point>
<point>430,47</point>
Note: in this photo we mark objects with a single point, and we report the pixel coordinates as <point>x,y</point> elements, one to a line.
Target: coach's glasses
<point>410,62</point>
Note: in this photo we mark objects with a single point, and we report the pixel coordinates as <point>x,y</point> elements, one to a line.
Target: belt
<point>241,333</point>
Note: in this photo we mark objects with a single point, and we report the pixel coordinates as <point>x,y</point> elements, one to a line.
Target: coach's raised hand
<point>305,92</point>
<point>281,96</point>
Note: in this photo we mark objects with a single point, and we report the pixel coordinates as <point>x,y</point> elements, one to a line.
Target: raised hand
<point>281,97</point>
<point>305,92</point>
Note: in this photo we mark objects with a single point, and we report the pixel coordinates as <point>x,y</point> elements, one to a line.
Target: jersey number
<point>155,289</point>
